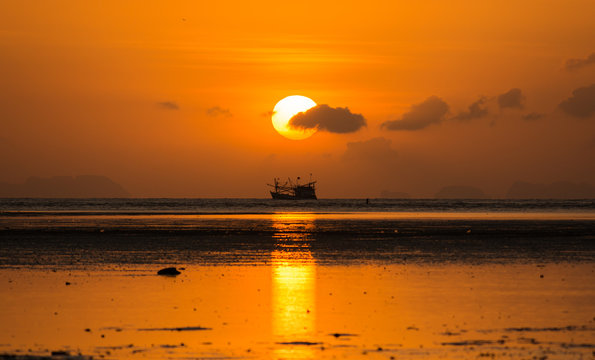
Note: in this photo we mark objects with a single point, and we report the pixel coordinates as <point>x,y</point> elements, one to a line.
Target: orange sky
<point>124,89</point>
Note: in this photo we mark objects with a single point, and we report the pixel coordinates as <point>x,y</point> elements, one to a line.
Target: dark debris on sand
<point>185,328</point>
<point>551,329</point>
<point>474,342</point>
<point>305,343</point>
<point>55,355</point>
<point>338,335</point>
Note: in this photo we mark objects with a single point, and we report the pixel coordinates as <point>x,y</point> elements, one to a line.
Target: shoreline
<point>327,241</point>
<point>520,214</point>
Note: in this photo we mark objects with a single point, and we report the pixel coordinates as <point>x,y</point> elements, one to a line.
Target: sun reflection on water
<point>294,285</point>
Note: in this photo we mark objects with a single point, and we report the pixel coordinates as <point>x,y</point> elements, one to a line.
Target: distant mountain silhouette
<point>387,194</point>
<point>460,192</point>
<point>557,190</point>
<point>85,186</point>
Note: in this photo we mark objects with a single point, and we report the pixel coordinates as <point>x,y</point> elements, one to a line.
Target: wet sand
<point>290,309</point>
<point>298,286</point>
<point>69,240</point>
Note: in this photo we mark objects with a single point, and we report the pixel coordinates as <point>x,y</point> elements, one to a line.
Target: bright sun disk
<point>285,110</point>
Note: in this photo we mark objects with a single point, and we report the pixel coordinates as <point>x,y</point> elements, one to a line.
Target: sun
<point>285,110</point>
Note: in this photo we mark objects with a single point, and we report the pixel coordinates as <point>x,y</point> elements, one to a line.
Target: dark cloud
<point>169,105</point>
<point>323,117</point>
<point>373,150</point>
<point>513,98</point>
<point>431,111</point>
<point>533,116</point>
<point>476,110</point>
<point>269,113</point>
<point>216,111</point>
<point>581,103</point>
<point>577,64</point>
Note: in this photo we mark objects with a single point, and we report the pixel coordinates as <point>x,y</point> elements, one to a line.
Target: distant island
<point>84,186</point>
<point>557,190</point>
<point>460,192</point>
<point>518,190</point>
<point>387,194</point>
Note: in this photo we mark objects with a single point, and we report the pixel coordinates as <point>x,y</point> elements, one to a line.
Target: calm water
<point>267,206</point>
<point>245,231</point>
<point>266,279</point>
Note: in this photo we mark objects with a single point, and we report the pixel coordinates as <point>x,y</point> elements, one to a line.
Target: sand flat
<point>298,284</point>
<point>288,308</point>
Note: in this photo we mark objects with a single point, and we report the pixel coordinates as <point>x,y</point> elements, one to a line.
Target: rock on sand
<point>168,271</point>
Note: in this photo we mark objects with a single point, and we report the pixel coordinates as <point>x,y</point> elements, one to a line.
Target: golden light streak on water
<point>293,286</point>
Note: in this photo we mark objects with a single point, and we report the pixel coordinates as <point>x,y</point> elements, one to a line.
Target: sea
<point>240,231</point>
<point>270,206</point>
<point>278,279</point>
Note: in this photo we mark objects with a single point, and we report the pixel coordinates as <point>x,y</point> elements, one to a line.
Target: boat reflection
<point>294,285</point>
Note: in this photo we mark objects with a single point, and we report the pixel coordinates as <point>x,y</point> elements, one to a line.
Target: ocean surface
<point>273,279</point>
<point>245,231</point>
<point>269,206</point>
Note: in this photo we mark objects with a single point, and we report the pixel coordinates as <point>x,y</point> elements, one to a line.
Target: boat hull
<point>280,196</point>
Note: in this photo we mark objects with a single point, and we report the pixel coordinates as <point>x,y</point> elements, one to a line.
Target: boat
<point>293,190</point>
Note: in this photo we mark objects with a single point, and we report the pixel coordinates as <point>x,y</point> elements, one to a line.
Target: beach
<point>281,180</point>
<point>270,280</point>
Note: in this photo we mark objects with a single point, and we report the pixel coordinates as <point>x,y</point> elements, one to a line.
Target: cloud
<point>323,117</point>
<point>269,113</point>
<point>216,111</point>
<point>581,103</point>
<point>431,111</point>
<point>533,116</point>
<point>476,111</point>
<point>169,105</point>
<point>577,64</point>
<point>513,98</point>
<point>373,150</point>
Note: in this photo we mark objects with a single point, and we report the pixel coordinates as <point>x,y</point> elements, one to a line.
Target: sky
<point>174,99</point>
